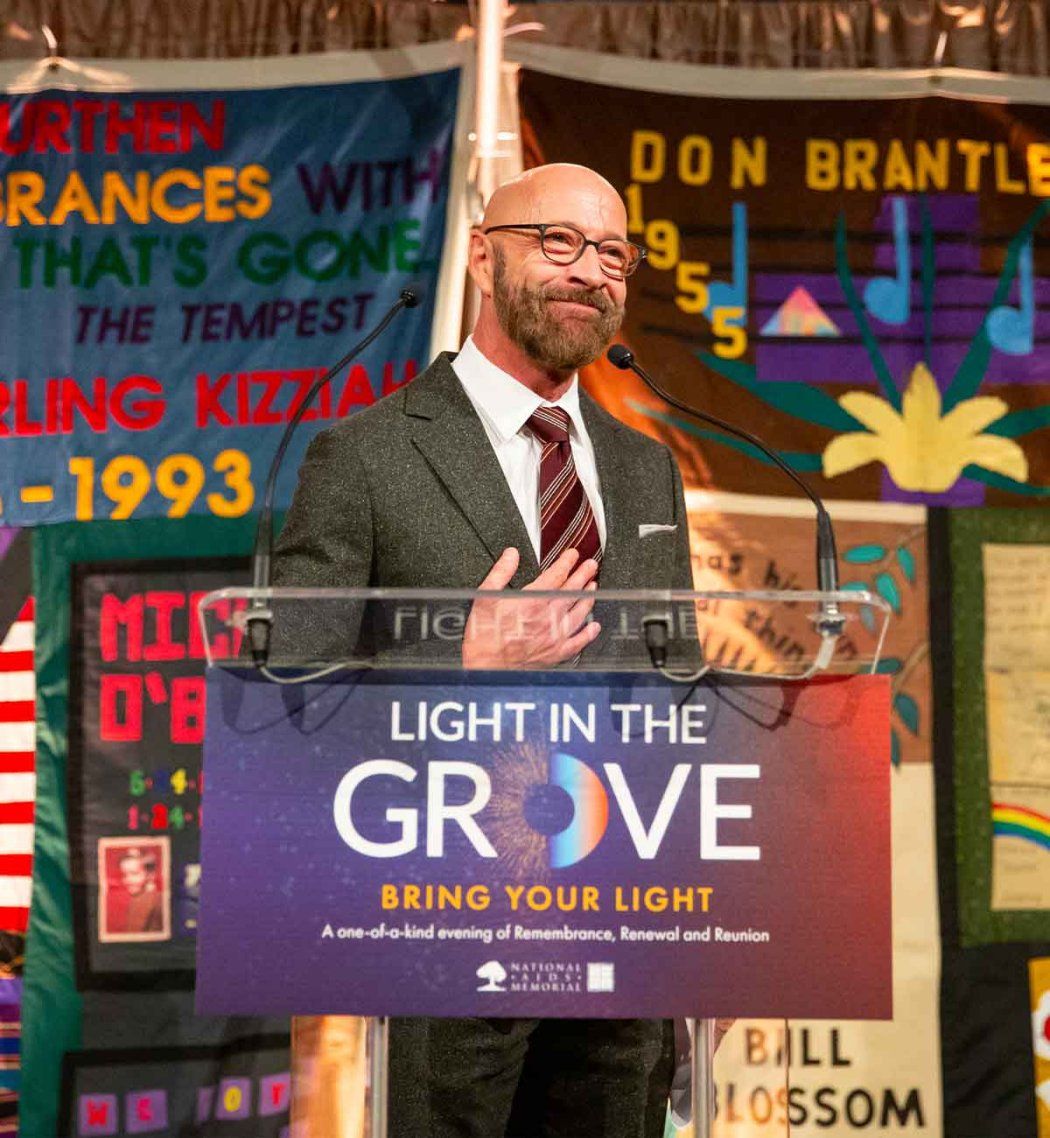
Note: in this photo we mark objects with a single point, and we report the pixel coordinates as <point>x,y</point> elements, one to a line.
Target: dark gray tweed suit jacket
<point>409,493</point>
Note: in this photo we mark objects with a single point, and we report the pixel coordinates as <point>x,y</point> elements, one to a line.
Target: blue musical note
<point>721,294</point>
<point>889,298</point>
<point>1010,329</point>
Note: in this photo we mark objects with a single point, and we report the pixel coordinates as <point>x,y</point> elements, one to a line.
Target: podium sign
<point>556,844</point>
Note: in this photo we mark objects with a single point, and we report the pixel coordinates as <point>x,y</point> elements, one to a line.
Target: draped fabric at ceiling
<point>1005,35</point>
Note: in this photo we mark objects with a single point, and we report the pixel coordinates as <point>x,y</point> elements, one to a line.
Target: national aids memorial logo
<point>542,976</point>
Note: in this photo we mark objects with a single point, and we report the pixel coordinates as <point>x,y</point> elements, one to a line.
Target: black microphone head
<point>410,296</point>
<point>620,356</point>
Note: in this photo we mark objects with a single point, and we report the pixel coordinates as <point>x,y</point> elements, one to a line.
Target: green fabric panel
<point>969,530</point>
<point>51,1006</point>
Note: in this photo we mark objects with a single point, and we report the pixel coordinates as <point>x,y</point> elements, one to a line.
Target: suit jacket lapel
<point>448,433</point>
<point>618,568</point>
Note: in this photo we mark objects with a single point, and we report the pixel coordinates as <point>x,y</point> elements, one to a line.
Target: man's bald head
<point>545,193</point>
<point>542,316</point>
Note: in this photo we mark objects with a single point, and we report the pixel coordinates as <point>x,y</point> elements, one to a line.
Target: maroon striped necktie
<point>566,518</point>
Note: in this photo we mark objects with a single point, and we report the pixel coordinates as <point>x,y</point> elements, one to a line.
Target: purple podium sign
<point>555,845</point>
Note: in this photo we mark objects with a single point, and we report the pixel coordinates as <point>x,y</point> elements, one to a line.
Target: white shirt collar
<point>501,400</point>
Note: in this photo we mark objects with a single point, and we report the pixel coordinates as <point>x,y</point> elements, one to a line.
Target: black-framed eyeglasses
<point>565,244</point>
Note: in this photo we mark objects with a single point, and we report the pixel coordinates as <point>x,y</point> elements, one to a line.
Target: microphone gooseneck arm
<point>827,558</point>
<point>260,617</point>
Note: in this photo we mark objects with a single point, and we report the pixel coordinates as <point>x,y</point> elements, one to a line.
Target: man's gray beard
<point>524,314</point>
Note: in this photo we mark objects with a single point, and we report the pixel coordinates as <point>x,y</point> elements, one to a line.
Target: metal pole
<point>484,158</point>
<point>379,1041</point>
<point>703,1077</point>
<point>491,14</point>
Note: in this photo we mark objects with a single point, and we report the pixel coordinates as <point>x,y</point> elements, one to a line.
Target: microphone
<point>260,618</point>
<point>830,622</point>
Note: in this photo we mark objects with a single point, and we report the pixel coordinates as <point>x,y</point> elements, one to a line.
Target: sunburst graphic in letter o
<point>546,811</point>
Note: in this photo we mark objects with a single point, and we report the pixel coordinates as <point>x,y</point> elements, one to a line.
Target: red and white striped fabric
<point>17,771</point>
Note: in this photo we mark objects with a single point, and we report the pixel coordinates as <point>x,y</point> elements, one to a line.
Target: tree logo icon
<point>493,973</point>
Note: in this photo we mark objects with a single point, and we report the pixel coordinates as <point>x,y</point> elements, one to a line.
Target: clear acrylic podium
<point>688,637</point>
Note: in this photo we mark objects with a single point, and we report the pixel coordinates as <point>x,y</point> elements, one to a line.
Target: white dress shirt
<point>504,405</point>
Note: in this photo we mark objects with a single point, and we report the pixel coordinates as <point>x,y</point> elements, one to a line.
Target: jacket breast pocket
<point>656,553</point>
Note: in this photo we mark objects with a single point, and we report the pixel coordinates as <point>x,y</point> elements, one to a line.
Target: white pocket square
<point>649,528</point>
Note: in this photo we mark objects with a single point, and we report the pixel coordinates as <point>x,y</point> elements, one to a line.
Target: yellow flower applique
<point>922,449</point>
